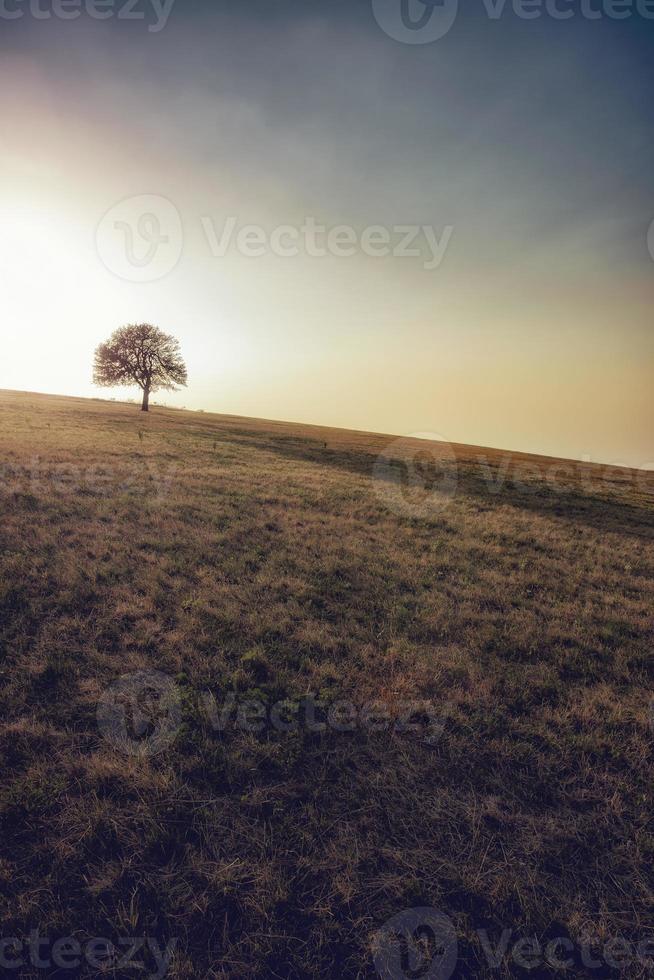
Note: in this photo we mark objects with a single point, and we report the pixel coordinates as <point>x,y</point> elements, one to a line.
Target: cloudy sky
<point>511,157</point>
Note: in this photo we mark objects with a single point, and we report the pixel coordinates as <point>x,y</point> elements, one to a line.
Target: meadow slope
<point>248,563</point>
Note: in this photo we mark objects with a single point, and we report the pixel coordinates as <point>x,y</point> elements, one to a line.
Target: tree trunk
<point>145,407</point>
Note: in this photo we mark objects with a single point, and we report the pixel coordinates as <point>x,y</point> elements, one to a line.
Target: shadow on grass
<point>593,509</point>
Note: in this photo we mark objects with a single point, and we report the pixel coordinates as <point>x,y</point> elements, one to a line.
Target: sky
<point>248,176</point>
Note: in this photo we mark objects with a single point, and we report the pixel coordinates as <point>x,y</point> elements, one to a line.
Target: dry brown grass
<point>256,558</point>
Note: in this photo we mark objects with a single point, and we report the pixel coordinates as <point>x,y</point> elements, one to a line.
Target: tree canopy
<point>140,354</point>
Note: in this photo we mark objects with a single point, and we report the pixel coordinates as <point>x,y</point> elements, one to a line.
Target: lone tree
<point>140,354</point>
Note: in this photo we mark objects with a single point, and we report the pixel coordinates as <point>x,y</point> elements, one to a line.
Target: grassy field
<point>344,697</point>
